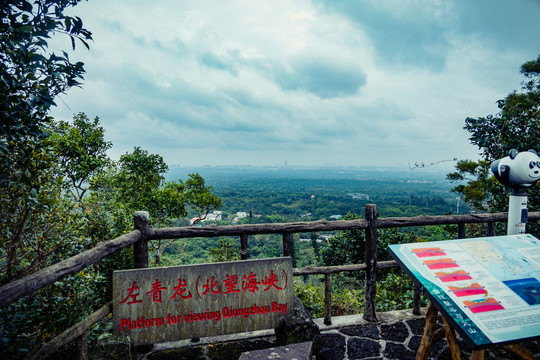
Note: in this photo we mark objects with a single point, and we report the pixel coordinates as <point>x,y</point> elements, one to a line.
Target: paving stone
<point>397,332</point>
<point>300,351</point>
<point>414,342</point>
<point>440,350</point>
<point>362,348</point>
<point>332,347</point>
<point>362,331</point>
<point>417,326</point>
<point>233,350</point>
<point>398,351</point>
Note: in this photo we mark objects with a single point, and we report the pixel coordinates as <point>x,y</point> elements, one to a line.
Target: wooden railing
<point>139,238</point>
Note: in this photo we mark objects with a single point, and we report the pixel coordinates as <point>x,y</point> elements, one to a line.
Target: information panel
<point>171,303</point>
<point>489,287</point>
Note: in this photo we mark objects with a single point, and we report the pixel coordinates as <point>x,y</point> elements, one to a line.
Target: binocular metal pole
<point>517,212</point>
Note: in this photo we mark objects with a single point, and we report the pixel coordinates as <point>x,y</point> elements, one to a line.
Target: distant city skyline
<point>282,83</point>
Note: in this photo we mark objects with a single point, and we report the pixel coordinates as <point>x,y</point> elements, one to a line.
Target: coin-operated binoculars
<point>518,171</point>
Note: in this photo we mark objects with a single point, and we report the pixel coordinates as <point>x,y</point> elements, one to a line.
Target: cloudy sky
<point>302,82</point>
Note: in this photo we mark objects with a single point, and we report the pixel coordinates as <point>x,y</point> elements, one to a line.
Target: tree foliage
<point>30,212</point>
<point>137,181</point>
<point>515,126</point>
<point>482,191</point>
<point>82,152</point>
<point>63,198</point>
<point>30,78</point>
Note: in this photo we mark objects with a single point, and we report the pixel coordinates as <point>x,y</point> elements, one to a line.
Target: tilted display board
<point>171,303</point>
<point>489,288</point>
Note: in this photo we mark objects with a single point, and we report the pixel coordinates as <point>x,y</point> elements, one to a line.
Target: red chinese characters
<point>156,291</point>
<point>181,290</point>
<point>271,281</point>
<point>132,295</point>
<point>231,283</point>
<point>250,283</point>
<point>211,286</point>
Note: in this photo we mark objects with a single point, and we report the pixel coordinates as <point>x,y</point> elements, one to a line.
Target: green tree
<point>30,77</point>
<point>226,250</point>
<point>82,152</point>
<point>348,247</point>
<point>481,190</point>
<point>139,176</point>
<point>30,212</point>
<point>29,81</point>
<point>516,126</point>
<point>137,182</point>
<point>73,197</point>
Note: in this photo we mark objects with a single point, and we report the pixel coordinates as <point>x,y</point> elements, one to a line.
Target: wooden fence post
<point>82,346</point>
<point>328,299</point>
<point>491,228</point>
<point>140,248</point>
<point>461,231</point>
<point>286,244</point>
<point>243,246</point>
<point>370,291</point>
<point>416,300</point>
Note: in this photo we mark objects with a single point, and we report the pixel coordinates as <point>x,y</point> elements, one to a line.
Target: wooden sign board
<point>172,303</point>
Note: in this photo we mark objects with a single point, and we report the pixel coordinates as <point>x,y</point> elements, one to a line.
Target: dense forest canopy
<point>318,193</point>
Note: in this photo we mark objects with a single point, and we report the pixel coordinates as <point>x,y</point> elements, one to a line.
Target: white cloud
<point>352,83</point>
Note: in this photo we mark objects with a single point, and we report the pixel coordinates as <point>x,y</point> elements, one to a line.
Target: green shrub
<point>311,296</point>
<point>395,292</point>
<point>347,301</point>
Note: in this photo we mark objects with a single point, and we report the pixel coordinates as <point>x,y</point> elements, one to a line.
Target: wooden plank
<point>461,231</point>
<point>490,228</point>
<point>451,340</point>
<point>22,287</point>
<point>251,229</point>
<point>82,346</point>
<point>316,270</point>
<point>521,351</point>
<point>286,244</point>
<point>323,225</point>
<point>478,355</point>
<point>140,248</point>
<point>428,338</point>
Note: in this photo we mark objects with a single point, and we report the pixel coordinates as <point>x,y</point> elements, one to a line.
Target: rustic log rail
<point>139,238</point>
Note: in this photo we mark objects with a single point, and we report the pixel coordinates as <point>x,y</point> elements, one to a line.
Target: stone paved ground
<point>398,340</point>
<point>397,336</point>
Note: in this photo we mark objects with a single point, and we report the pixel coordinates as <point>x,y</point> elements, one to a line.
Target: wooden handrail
<point>13,291</point>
